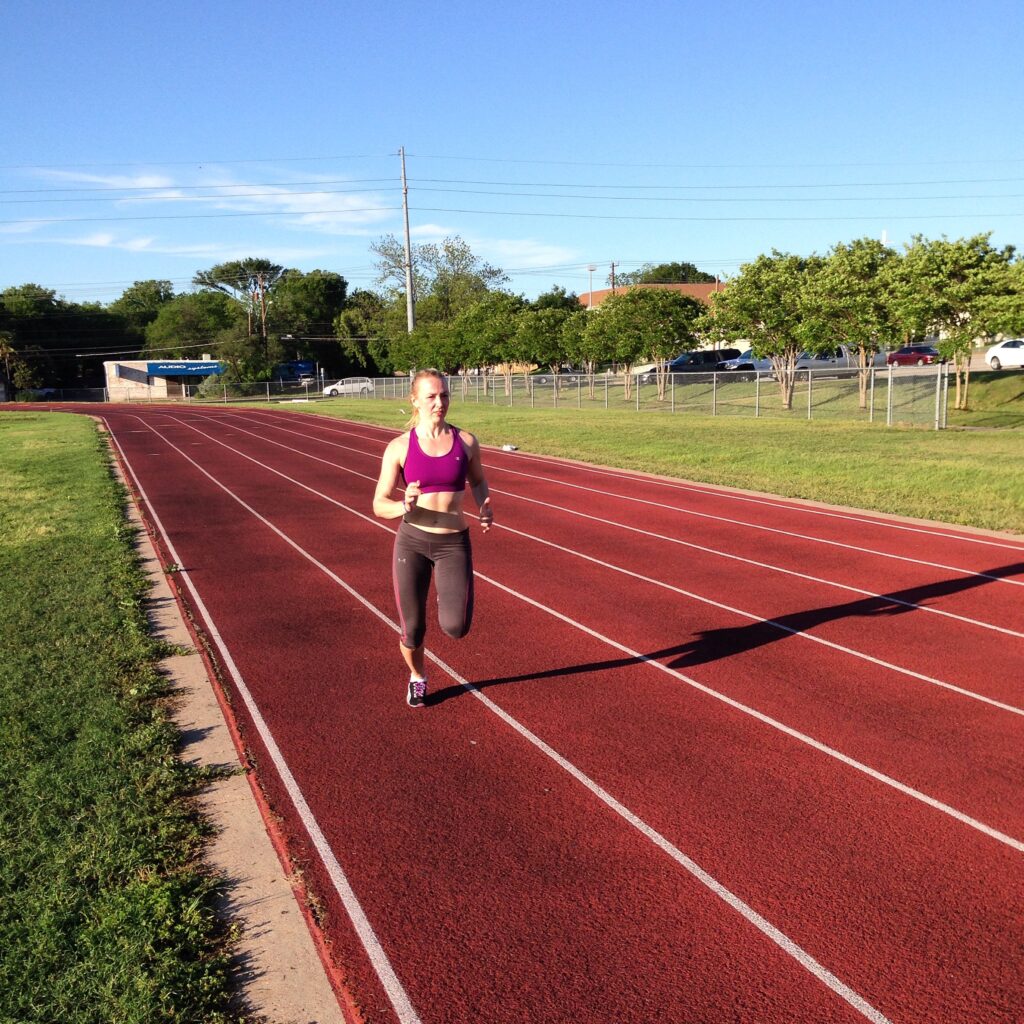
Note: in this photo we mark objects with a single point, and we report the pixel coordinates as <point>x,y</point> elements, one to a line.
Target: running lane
<point>501,884</point>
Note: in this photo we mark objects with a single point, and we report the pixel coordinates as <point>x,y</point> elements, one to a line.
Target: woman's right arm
<point>384,506</point>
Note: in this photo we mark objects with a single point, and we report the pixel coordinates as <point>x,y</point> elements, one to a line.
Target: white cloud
<point>216,252</point>
<point>527,253</point>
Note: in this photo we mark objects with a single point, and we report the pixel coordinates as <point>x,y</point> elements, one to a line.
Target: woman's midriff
<point>438,512</point>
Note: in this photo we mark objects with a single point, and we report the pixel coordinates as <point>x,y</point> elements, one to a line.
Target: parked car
<point>1007,353</point>
<point>839,358</point>
<point>914,355</point>
<point>307,378</point>
<point>350,386</point>
<point>566,375</point>
<point>745,361</point>
<point>703,361</point>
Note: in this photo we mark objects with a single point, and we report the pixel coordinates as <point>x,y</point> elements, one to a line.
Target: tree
<point>306,303</point>
<point>540,337</point>
<point>190,322</point>
<point>248,282</point>
<point>654,324</point>
<point>447,277</point>
<point>140,302</point>
<point>768,305</point>
<point>581,347</point>
<point>664,273</point>
<point>849,301</point>
<point>487,333</point>
<point>363,331</point>
<point>48,333</point>
<point>557,298</point>
<point>953,289</point>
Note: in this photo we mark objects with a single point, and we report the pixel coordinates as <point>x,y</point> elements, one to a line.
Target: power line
<point>226,184</point>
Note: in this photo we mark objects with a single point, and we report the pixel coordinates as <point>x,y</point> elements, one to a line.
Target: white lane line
<point>725,519</point>
<point>784,505</point>
<point>770,529</point>
<point>778,937</point>
<point>396,993</point>
<point>683,486</point>
<point>752,616</point>
<point>900,787</point>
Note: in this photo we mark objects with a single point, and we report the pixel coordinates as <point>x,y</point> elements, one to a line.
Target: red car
<point>914,355</point>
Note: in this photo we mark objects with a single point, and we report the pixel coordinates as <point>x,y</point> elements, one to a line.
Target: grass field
<point>105,913</point>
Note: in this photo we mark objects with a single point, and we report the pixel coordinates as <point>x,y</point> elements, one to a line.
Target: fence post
<point>606,390</point>
<point>810,377</point>
<point>714,394</point>
<point>757,394</point>
<point>637,386</point>
<point>579,393</point>
<point>945,397</point>
<point>888,400</point>
<point>938,397</point>
<point>672,385</point>
<point>871,399</point>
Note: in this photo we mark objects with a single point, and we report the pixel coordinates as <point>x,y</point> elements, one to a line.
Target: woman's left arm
<point>478,482</point>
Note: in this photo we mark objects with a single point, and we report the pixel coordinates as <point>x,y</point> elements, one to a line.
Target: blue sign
<point>184,368</point>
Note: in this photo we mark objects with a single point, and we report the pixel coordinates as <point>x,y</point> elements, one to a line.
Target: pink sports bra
<point>437,473</point>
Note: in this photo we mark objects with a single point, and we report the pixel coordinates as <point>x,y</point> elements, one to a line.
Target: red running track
<point>705,756</point>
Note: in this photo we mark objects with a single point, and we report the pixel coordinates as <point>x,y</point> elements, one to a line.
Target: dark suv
<point>701,362</point>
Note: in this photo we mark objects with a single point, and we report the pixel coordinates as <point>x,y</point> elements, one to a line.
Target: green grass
<point>106,915</point>
<point>968,477</point>
<point>993,399</point>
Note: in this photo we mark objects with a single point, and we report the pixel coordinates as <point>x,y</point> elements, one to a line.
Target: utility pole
<point>613,279</point>
<point>410,298</point>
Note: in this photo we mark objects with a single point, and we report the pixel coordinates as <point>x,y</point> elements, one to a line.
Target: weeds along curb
<point>304,898</point>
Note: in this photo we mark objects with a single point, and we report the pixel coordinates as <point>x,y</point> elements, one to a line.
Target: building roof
<point>698,291</point>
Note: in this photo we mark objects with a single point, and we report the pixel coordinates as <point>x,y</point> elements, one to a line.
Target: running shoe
<point>417,693</point>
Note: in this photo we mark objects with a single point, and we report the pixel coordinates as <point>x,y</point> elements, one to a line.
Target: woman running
<point>434,460</point>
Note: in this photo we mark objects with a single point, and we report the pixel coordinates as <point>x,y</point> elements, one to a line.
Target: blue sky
<point>152,141</point>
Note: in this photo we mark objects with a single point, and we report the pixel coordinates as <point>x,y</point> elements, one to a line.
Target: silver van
<point>350,386</point>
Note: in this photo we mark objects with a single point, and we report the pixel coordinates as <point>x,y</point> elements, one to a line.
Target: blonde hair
<point>419,375</point>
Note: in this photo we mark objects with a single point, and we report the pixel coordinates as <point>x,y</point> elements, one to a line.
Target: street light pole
<point>590,293</point>
<point>410,297</point>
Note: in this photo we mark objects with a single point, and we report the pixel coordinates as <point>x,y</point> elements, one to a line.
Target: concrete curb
<point>279,974</point>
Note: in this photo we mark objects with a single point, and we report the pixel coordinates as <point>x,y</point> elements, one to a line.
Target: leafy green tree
<point>190,322</point>
<point>307,303</point>
<point>557,298</point>
<point>447,276</point>
<point>248,282</point>
<point>1004,310</point>
<point>141,301</point>
<point>768,304</point>
<point>364,332</point>
<point>849,302</point>
<point>664,273</point>
<point>540,337</point>
<point>953,289</point>
<point>56,339</point>
<point>653,324</point>
<point>580,345</point>
<point>487,333</point>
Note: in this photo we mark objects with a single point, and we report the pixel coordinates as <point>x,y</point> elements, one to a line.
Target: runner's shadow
<point>716,644</point>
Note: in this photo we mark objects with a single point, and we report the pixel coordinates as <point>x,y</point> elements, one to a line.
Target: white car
<point>350,386</point>
<point>1007,353</point>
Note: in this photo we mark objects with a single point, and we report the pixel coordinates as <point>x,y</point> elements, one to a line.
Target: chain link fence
<point>889,396</point>
<point>892,396</point>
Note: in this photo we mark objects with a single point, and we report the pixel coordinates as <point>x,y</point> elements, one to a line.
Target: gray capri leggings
<point>417,556</point>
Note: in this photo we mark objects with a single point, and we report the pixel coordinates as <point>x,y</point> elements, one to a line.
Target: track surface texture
<point>705,756</point>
